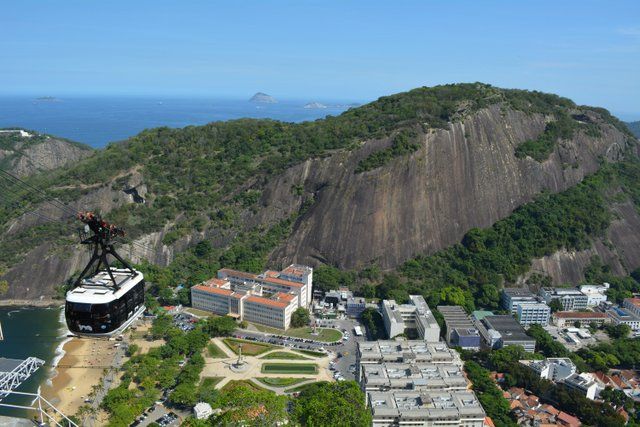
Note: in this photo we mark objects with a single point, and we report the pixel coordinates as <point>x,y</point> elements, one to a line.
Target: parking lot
<point>185,321</point>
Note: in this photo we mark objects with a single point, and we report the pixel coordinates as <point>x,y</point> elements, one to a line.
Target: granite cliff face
<point>462,175</point>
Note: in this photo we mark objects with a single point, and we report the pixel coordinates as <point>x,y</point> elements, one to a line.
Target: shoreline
<point>44,303</point>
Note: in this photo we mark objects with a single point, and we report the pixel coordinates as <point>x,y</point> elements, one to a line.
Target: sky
<point>586,50</point>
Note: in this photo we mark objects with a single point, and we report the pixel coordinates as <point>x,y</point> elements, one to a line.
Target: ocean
<point>99,120</point>
<point>31,332</point>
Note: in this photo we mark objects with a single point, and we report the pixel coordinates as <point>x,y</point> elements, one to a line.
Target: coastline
<point>43,303</point>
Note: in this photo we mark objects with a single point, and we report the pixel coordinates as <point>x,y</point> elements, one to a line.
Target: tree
<point>555,305</point>
<point>222,326</point>
<point>132,349</point>
<point>332,404</point>
<point>245,406</point>
<point>618,331</point>
<point>4,287</point>
<point>301,317</point>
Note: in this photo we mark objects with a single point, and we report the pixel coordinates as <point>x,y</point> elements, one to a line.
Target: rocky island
<point>263,98</point>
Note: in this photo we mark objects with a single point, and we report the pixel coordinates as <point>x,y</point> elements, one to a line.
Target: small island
<point>263,98</point>
<point>315,106</point>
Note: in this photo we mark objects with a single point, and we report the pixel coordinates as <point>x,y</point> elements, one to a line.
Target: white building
<point>511,297</point>
<point>596,294</point>
<point>584,383</point>
<point>412,376</point>
<point>416,315</point>
<point>533,313</point>
<point>202,411</point>
<point>570,298</point>
<point>622,316</point>
<point>552,368</point>
<point>633,305</point>
<point>268,299</point>
<point>413,351</point>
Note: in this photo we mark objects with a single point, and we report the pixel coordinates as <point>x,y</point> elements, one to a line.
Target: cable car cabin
<point>97,308</point>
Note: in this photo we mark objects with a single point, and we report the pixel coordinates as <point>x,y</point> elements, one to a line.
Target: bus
<point>358,331</point>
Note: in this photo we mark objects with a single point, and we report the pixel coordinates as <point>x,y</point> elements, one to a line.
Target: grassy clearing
<point>215,351</point>
<point>312,353</point>
<point>198,312</point>
<point>284,355</point>
<point>210,382</point>
<point>249,348</point>
<point>289,368</point>
<point>242,383</point>
<point>281,382</point>
<point>301,387</point>
<point>324,334</point>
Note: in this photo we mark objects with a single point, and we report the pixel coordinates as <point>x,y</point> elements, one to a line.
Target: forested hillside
<point>406,175</point>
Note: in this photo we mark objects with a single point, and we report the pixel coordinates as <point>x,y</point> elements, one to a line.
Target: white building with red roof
<point>268,298</point>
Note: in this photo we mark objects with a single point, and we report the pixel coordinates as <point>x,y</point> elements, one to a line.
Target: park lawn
<point>284,355</point>
<point>302,387</point>
<point>249,348</point>
<point>215,351</point>
<point>312,353</point>
<point>324,334</point>
<point>281,382</point>
<point>243,383</point>
<point>289,368</point>
<point>198,312</point>
<point>210,382</point>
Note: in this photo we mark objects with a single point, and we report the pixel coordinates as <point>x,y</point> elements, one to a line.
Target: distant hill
<point>263,98</point>
<point>25,153</point>
<point>634,127</point>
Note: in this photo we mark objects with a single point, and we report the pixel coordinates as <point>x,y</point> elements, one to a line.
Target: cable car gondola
<point>108,301</point>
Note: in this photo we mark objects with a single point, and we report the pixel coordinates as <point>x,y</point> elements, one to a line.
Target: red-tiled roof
<point>267,301</point>
<point>285,297</point>
<point>288,283</point>
<point>568,420</point>
<point>489,422</point>
<point>213,290</point>
<point>217,282</point>
<point>293,271</point>
<point>579,315</point>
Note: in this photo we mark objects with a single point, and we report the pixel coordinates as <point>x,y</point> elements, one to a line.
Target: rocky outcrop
<point>462,177</point>
<point>27,155</point>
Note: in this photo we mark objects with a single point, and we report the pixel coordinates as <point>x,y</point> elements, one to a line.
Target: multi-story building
<point>411,376</point>
<point>622,316</point>
<point>552,368</point>
<point>596,294</point>
<point>355,306</point>
<point>268,298</point>
<point>533,313</point>
<point>421,408</point>
<point>460,330</point>
<point>503,330</point>
<point>413,351</point>
<point>584,318</point>
<point>415,315</point>
<point>632,304</point>
<point>583,383</point>
<point>511,297</point>
<point>571,299</point>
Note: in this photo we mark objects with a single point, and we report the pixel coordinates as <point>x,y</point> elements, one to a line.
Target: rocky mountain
<point>25,152</point>
<point>404,176</point>
<point>263,98</point>
<point>634,127</point>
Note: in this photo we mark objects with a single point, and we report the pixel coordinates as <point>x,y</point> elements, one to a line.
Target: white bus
<point>358,331</point>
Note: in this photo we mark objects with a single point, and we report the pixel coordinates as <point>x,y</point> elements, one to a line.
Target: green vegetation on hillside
<point>403,143</point>
<point>634,127</point>
<point>540,148</point>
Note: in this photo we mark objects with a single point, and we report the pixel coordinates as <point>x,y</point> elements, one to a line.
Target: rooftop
<point>518,292</point>
<point>267,301</point>
<point>453,405</point>
<point>579,315</point>
<point>633,301</point>
<point>508,327</point>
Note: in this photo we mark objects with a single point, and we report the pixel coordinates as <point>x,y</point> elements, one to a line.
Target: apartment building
<point>622,316</point>
<point>552,368</point>
<point>268,299</point>
<point>583,383</point>
<point>511,297</point>
<point>420,408</point>
<point>533,313</point>
<point>570,299</point>
<point>412,376</point>
<point>412,351</point>
<point>414,315</point>
<point>502,330</point>
<point>596,294</point>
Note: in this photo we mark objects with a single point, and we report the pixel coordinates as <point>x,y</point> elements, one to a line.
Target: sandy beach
<point>79,370</point>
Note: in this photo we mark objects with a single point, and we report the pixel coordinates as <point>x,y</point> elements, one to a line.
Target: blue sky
<point>586,50</point>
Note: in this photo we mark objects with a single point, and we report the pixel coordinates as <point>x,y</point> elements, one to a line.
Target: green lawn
<point>242,383</point>
<point>198,312</point>
<point>249,348</point>
<point>324,334</point>
<point>312,353</point>
<point>289,368</point>
<point>210,382</point>
<point>281,382</point>
<point>302,387</point>
<point>215,351</point>
<point>284,355</point>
